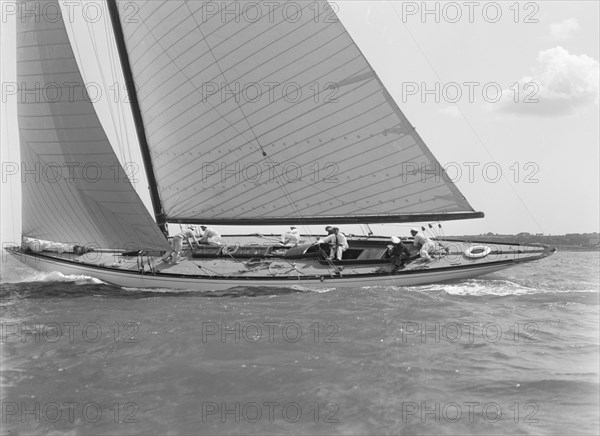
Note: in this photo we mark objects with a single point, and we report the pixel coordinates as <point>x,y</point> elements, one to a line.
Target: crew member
<point>210,236</point>
<point>337,242</point>
<point>423,244</point>
<point>291,237</point>
<point>177,244</point>
<point>399,253</point>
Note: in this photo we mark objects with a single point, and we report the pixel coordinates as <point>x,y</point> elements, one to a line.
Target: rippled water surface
<point>515,352</point>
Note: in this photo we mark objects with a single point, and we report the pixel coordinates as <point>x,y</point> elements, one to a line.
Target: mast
<point>137,115</point>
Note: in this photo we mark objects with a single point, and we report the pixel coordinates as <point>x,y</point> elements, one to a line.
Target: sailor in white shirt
<point>338,243</point>
<point>292,237</point>
<point>210,236</point>
<point>177,244</point>
<point>423,243</point>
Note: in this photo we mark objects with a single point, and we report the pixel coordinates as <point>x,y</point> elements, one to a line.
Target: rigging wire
<point>464,117</point>
<point>433,231</point>
<point>441,231</point>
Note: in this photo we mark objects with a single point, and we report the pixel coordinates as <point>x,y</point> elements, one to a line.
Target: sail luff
<point>137,117</point>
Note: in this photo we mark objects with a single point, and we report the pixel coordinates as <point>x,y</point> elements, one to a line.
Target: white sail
<point>74,188</point>
<point>267,112</point>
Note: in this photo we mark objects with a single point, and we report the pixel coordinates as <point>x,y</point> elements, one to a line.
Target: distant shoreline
<point>582,249</point>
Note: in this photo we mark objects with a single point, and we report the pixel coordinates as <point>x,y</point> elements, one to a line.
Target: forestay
<point>267,112</point>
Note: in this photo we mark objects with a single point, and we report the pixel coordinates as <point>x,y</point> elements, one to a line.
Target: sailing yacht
<point>262,113</point>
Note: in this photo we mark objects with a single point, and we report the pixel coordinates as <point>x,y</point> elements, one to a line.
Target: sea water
<point>515,352</point>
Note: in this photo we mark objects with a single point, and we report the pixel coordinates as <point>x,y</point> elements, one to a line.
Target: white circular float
<point>477,251</point>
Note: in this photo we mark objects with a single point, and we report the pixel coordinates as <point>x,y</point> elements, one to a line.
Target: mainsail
<point>267,112</point>
<point>74,188</point>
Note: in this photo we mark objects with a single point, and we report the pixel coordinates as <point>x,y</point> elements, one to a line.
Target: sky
<point>504,94</point>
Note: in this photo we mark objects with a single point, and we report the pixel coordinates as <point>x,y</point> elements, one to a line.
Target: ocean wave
<point>233,292</point>
<point>274,290</point>
<point>483,287</point>
<point>56,276</point>
<point>487,287</point>
<point>318,291</point>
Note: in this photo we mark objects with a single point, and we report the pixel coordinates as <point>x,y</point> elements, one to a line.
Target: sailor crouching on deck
<point>338,243</point>
<point>210,236</point>
<point>177,244</point>
<point>292,237</point>
<point>423,243</point>
<point>398,253</point>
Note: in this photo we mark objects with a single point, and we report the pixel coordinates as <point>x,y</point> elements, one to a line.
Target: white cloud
<point>561,84</point>
<point>563,30</point>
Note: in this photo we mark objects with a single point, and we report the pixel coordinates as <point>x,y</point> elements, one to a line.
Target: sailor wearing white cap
<point>398,253</point>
